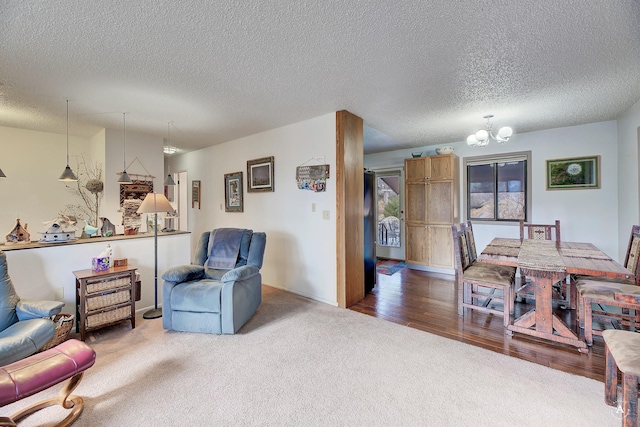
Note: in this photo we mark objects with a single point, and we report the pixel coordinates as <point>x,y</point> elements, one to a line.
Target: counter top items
<point>60,229</point>
<point>108,228</point>
<point>18,234</point>
<point>444,150</point>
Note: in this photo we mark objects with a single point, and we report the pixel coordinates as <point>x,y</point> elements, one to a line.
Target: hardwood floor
<point>427,301</point>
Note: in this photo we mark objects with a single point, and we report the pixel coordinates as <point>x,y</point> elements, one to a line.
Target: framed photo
<point>195,193</point>
<point>233,192</point>
<point>260,175</point>
<point>573,173</point>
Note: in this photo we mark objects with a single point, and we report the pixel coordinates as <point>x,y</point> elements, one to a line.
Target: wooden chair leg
<point>461,287</point>
<point>629,400</point>
<point>587,318</point>
<point>507,302</point>
<point>610,378</point>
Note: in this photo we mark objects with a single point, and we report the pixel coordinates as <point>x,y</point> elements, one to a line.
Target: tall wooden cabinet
<point>431,206</point>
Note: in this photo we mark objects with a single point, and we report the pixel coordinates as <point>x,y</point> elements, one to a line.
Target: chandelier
<point>482,137</point>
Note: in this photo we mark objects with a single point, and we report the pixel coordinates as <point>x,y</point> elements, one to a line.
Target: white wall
<point>585,215</point>
<point>301,247</point>
<point>147,149</point>
<point>36,273</point>
<point>628,178</point>
<point>33,161</point>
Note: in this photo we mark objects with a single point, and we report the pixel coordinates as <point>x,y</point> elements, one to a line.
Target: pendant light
<point>169,180</point>
<point>2,175</point>
<point>67,174</point>
<point>124,176</point>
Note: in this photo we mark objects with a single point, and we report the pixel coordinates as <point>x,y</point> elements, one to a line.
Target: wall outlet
<point>326,214</point>
<point>59,292</point>
<point>313,207</point>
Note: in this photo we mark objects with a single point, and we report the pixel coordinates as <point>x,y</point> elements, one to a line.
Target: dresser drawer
<point>106,300</point>
<point>100,285</point>
<point>106,317</point>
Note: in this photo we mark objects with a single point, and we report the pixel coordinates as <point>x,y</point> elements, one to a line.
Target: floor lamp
<point>154,203</point>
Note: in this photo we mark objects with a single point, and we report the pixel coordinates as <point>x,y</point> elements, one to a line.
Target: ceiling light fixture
<point>67,174</point>
<point>167,149</point>
<point>482,137</point>
<point>124,176</point>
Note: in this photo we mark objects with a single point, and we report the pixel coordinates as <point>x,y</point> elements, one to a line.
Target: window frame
<point>493,159</point>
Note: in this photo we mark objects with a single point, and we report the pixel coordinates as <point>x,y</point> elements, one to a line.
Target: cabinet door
<point>440,203</point>
<point>440,246</point>
<point>415,203</point>
<point>415,169</point>
<point>440,167</point>
<point>416,244</point>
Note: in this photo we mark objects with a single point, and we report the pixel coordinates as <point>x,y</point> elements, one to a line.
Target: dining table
<point>546,262</point>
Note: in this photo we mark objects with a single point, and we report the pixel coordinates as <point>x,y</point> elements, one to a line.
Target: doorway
<point>390,218</point>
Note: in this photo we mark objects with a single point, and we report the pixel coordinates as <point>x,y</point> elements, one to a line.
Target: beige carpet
<point>303,363</point>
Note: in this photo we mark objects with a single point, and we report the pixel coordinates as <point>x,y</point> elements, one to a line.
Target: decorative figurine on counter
<point>108,229</point>
<point>18,234</point>
<point>89,229</point>
<point>58,230</point>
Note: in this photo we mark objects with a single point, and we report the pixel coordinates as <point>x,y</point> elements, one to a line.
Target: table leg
<point>541,322</point>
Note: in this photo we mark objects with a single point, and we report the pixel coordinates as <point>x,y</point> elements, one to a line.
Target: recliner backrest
<point>8,296</point>
<point>251,255</point>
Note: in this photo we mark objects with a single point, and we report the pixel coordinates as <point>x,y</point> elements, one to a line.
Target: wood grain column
<point>350,208</point>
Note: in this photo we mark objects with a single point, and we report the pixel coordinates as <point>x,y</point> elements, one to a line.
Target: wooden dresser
<point>104,298</point>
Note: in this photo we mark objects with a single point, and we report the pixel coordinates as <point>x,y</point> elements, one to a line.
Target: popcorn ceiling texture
<point>418,72</point>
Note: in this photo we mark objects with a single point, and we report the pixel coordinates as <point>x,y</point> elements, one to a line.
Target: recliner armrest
<point>183,273</point>
<point>240,273</point>
<point>32,309</point>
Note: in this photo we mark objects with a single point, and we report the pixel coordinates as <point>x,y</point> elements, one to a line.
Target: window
<point>497,187</point>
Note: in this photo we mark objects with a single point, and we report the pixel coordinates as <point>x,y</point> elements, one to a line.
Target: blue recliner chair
<point>221,289</point>
<point>24,326</point>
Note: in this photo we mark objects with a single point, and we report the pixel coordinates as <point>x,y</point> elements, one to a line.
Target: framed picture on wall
<point>260,175</point>
<point>233,192</point>
<point>195,193</point>
<point>573,173</point>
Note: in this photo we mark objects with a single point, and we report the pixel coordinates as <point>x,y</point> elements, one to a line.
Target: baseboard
<point>302,294</point>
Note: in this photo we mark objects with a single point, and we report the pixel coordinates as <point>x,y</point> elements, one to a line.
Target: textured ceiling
<point>417,72</point>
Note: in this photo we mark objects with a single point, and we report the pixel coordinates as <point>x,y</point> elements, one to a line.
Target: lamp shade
<point>505,133</point>
<point>155,202</point>
<point>2,175</point>
<point>124,178</point>
<point>169,180</point>
<point>67,175</point>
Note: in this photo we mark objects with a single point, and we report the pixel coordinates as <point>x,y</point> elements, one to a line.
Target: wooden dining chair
<point>540,231</point>
<point>481,286</point>
<point>613,302</point>
<point>562,290</point>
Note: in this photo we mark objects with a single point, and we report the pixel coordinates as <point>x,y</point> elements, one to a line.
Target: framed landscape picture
<point>260,175</point>
<point>233,192</point>
<point>573,173</point>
